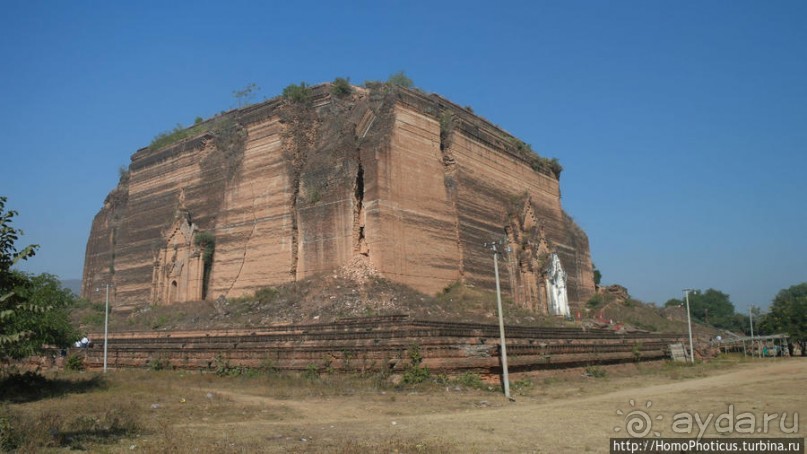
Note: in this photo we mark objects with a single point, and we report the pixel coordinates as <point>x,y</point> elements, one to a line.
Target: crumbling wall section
<point>487,171</point>
<point>286,190</point>
<point>413,234</point>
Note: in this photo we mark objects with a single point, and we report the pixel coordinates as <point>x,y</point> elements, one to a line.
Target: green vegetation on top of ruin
<point>298,94</point>
<point>340,87</point>
<point>178,134</point>
<point>537,162</point>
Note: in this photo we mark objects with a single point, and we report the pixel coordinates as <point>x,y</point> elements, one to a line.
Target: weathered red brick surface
<point>410,181</point>
<point>380,343</point>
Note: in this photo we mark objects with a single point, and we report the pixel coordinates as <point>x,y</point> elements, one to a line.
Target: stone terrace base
<point>379,343</point>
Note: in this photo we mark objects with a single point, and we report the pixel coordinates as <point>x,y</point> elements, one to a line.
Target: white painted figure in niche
<point>557,300</point>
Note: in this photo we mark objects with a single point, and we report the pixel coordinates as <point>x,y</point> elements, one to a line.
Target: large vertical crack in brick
<point>299,138</point>
<point>447,122</point>
<point>246,242</point>
<point>359,240</point>
<point>295,234</point>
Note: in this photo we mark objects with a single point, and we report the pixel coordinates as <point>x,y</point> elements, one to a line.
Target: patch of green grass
<point>471,380</point>
<point>177,134</point>
<point>523,386</point>
<point>596,371</point>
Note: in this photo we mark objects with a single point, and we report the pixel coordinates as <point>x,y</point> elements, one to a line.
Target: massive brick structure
<point>281,191</point>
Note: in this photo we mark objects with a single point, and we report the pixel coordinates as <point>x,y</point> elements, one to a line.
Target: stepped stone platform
<point>379,344</point>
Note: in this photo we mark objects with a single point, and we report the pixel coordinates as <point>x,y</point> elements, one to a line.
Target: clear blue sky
<point>682,126</point>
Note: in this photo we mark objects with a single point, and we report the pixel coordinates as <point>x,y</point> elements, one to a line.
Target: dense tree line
<point>33,309</point>
<point>713,307</point>
<point>786,315</point>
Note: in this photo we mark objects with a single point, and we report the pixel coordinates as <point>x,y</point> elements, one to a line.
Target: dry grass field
<point>554,412</point>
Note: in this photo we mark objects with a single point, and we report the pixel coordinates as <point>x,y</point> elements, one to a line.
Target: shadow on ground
<point>21,387</point>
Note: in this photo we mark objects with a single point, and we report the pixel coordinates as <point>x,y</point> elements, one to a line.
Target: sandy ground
<point>575,415</point>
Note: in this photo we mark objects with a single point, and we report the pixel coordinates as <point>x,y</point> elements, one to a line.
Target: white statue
<point>557,300</point>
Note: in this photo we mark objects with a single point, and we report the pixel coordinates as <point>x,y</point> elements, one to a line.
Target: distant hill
<point>74,285</point>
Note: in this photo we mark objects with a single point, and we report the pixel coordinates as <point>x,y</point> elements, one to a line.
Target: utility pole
<point>503,346</point>
<point>751,321</point>
<point>689,324</point>
<point>106,326</point>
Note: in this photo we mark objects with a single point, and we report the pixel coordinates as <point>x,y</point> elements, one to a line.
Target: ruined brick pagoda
<point>280,191</point>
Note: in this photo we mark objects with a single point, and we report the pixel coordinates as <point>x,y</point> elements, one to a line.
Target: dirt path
<point>484,422</point>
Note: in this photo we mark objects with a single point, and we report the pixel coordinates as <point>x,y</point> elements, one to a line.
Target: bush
<point>224,369</point>
<point>311,372</point>
<point>522,386</point>
<point>177,134</point>
<point>74,362</point>
<point>297,93</point>
<point>158,363</point>
<point>555,167</point>
<point>595,371</point>
<point>637,351</point>
<point>471,380</point>
<point>206,241</point>
<point>400,79</point>
<point>265,295</point>
<point>415,373</point>
<point>341,87</point>
<point>595,301</point>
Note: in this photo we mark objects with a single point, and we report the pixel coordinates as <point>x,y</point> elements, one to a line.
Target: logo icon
<point>638,423</point>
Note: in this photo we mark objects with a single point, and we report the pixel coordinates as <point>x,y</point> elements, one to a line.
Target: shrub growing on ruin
<point>555,167</point>
<point>297,94</point>
<point>245,96</point>
<point>177,134</point>
<point>207,242</point>
<point>415,373</point>
<point>266,295</point>
<point>399,79</point>
<point>159,363</point>
<point>595,301</point>
<point>341,87</point>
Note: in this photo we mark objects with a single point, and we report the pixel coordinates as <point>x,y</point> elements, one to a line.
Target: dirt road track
<point>574,419</point>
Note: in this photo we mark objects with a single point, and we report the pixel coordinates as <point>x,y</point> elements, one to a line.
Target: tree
<point>46,322</point>
<point>597,275</point>
<point>712,307</point>
<point>32,310</point>
<point>788,314</point>
<point>245,95</point>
